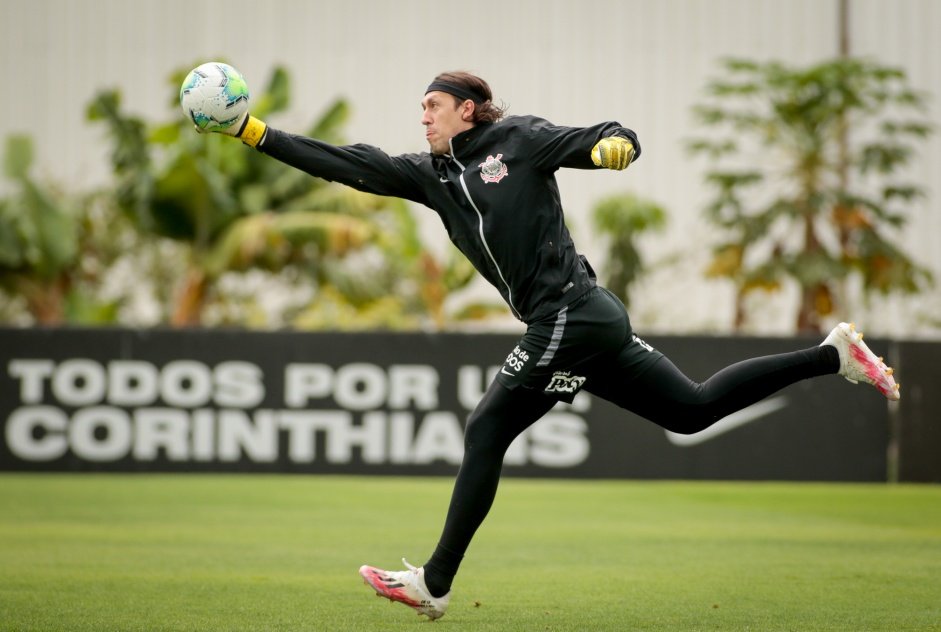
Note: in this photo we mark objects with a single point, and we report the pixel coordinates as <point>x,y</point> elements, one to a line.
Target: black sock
<point>831,357</point>
<point>440,571</point>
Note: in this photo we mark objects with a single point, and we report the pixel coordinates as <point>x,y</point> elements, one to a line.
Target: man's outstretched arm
<point>362,167</point>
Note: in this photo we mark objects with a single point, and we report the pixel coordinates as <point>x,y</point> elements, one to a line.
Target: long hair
<point>486,112</point>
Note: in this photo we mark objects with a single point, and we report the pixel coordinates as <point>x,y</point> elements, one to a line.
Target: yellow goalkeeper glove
<point>613,152</point>
<point>248,129</point>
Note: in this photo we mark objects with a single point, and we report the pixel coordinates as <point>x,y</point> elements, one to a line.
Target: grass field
<point>179,552</point>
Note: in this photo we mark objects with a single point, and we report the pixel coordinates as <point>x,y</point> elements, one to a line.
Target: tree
<point>54,246</point>
<point>622,218</point>
<point>807,173</point>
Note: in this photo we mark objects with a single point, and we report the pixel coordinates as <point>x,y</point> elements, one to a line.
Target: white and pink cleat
<point>406,587</point>
<point>859,363</point>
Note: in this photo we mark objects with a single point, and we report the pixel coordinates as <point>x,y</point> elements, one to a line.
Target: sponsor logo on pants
<point>565,382</point>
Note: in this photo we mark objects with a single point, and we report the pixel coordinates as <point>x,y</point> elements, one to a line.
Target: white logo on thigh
<point>565,382</point>
<point>515,362</point>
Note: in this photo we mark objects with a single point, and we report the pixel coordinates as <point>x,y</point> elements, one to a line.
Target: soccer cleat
<point>857,362</point>
<point>406,587</point>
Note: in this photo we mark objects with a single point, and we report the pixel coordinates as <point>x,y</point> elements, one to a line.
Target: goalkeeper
<point>492,181</point>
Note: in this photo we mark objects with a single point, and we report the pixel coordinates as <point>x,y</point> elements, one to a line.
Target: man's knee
<point>480,430</point>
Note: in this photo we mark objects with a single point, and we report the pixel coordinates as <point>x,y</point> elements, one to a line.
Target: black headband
<point>456,90</point>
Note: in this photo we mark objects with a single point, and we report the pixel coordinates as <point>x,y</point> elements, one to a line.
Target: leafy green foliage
<point>37,227</point>
<point>622,219</point>
<point>807,168</point>
<point>52,247</point>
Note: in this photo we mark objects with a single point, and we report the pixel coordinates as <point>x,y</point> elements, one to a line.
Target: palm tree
<point>794,199</point>
<point>54,247</point>
<point>622,218</point>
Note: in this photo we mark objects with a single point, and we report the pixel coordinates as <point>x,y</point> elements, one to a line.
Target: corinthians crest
<point>493,169</point>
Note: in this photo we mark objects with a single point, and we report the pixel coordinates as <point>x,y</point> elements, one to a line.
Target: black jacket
<point>496,194</point>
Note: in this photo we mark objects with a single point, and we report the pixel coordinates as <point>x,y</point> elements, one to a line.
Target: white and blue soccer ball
<point>214,96</point>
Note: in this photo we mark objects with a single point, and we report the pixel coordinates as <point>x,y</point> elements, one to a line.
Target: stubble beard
<point>440,149</point>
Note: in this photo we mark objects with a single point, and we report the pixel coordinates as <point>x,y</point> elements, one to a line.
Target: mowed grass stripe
<point>246,552</point>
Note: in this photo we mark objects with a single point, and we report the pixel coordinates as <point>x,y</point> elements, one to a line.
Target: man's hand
<point>613,152</point>
<point>248,128</point>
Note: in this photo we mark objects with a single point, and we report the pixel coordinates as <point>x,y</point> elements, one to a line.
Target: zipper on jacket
<point>480,229</point>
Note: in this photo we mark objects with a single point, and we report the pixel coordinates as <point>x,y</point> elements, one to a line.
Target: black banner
<point>378,403</point>
<point>918,418</point>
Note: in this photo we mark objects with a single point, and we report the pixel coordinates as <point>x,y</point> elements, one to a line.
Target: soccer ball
<point>214,95</point>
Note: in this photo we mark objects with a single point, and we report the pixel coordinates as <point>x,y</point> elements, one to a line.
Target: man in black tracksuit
<point>528,256</point>
<point>492,182</point>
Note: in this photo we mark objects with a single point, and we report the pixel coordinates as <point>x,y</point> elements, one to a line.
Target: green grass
<point>180,552</point>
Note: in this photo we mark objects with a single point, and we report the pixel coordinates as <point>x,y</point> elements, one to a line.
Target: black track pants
<point>665,396</point>
<point>662,394</point>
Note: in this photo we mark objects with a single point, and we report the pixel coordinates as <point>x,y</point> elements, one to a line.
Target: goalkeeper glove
<point>248,129</point>
<point>613,152</point>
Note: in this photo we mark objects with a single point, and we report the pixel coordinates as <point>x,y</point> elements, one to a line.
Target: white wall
<point>640,62</point>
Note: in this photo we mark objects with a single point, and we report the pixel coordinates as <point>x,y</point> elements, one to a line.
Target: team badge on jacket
<point>493,169</point>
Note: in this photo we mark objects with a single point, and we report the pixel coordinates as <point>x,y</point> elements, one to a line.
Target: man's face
<point>443,119</point>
